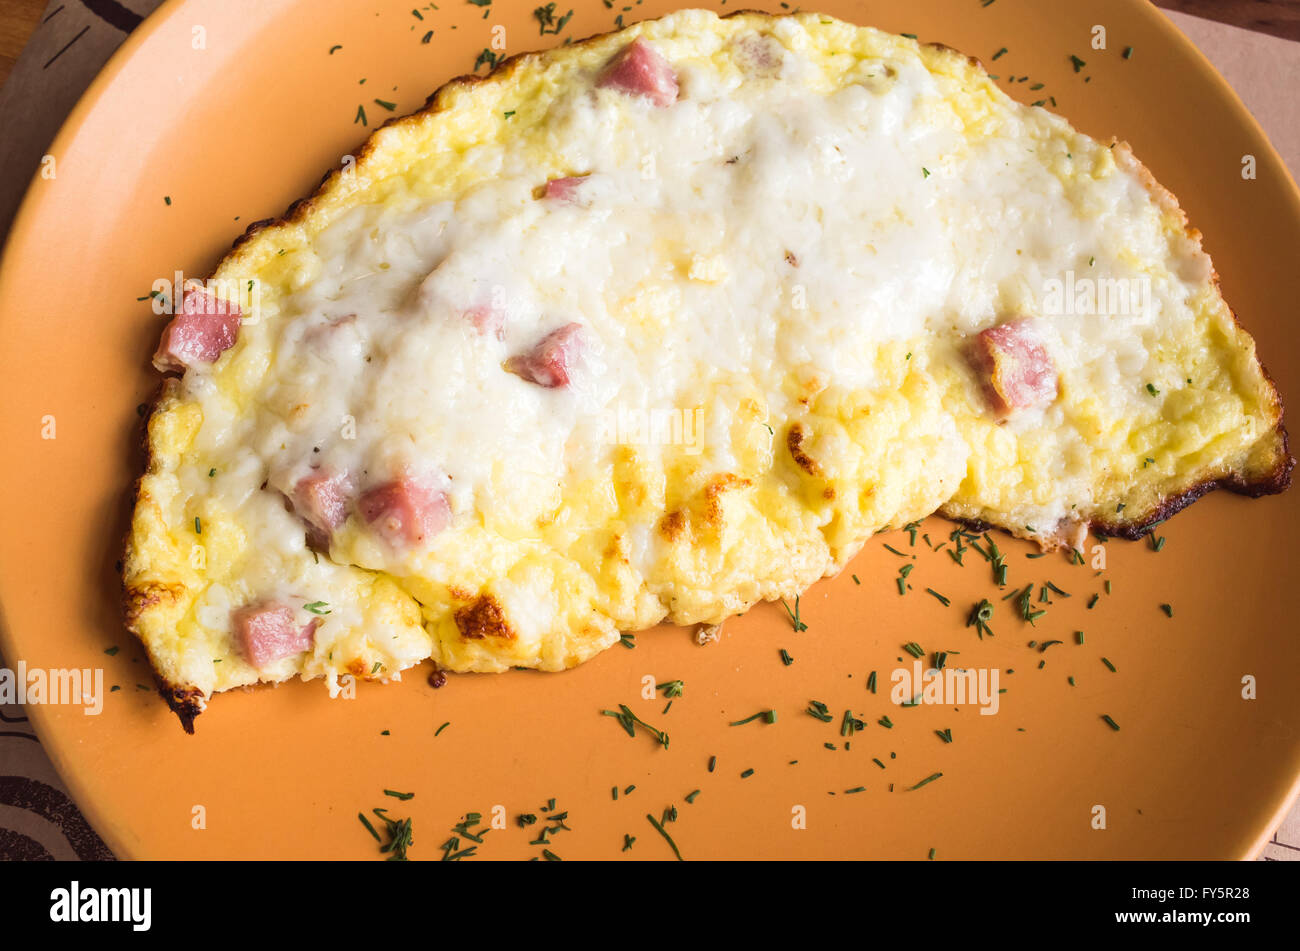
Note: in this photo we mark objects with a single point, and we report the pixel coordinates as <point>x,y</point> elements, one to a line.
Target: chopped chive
<point>871,681</point>
<point>929,779</point>
<point>819,711</point>
<point>1109,722</point>
<point>747,773</point>
<point>786,658</point>
<point>441,728</point>
<point>629,721</point>
<point>663,832</point>
<point>794,615</point>
<point>1109,665</point>
<point>369,828</point>
<point>942,600</point>
<point>690,796</point>
<point>672,688</point>
<point>399,795</point>
<point>1168,609</point>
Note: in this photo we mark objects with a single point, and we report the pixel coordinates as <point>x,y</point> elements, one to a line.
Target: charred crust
<point>137,598</point>
<point>483,618</point>
<point>1273,482</point>
<point>185,702</point>
<point>1270,483</point>
<point>794,441</point>
<point>945,48</point>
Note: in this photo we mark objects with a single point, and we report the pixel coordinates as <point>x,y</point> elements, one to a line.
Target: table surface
<point>1252,64</point>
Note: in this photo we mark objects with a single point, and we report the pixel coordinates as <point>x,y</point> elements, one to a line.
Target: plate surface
<point>216,114</point>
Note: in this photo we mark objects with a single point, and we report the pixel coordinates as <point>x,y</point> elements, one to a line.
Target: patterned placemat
<point>75,38</point>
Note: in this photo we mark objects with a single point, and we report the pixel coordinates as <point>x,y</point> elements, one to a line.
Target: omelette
<point>659,325</point>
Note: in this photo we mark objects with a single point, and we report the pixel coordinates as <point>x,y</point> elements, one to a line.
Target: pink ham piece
<point>564,189</point>
<point>1015,369</point>
<point>205,328</point>
<point>405,513</point>
<point>550,362</point>
<point>321,500</point>
<point>266,633</point>
<point>641,70</point>
<point>487,319</point>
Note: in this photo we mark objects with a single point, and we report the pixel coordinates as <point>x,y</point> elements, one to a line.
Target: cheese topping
<point>775,280</point>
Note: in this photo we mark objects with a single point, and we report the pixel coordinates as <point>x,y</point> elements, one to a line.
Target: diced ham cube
<point>1014,367</point>
<point>549,363</point>
<point>266,633</point>
<point>405,513</point>
<point>206,327</point>
<point>321,500</point>
<point>564,189</point>
<point>641,70</point>
<point>487,319</point>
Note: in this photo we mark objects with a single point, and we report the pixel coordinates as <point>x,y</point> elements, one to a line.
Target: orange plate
<point>234,131</point>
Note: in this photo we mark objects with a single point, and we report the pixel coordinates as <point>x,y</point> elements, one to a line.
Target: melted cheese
<point>793,256</point>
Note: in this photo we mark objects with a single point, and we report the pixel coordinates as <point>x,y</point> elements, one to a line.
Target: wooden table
<point>18,18</point>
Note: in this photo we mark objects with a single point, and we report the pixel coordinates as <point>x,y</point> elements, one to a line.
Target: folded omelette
<point>659,325</point>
